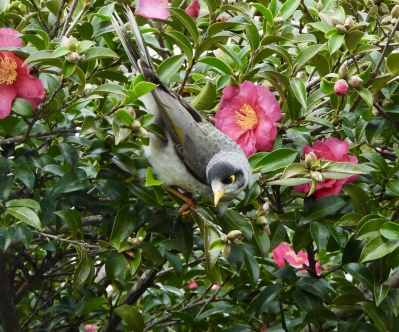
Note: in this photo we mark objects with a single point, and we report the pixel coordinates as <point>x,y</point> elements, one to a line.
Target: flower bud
<point>278,21</point>
<point>373,11</point>
<point>395,11</point>
<point>73,57</point>
<point>340,29</point>
<point>375,112</point>
<point>394,20</point>
<point>383,9</point>
<point>387,103</point>
<point>343,71</point>
<point>336,21</point>
<point>108,141</point>
<point>142,133</point>
<point>222,19</point>
<point>224,238</point>
<point>135,242</point>
<point>310,159</point>
<point>193,9</point>
<point>370,3</point>
<point>116,40</point>
<point>132,112</point>
<point>261,221</point>
<point>234,234</point>
<point>226,251</point>
<point>88,88</point>
<point>320,6</point>
<point>386,20</point>
<point>70,43</point>
<point>266,207</point>
<point>341,88</point>
<point>355,81</point>
<point>317,176</point>
<point>136,125</point>
<point>349,22</point>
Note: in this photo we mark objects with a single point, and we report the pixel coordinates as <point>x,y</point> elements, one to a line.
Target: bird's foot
<point>189,205</point>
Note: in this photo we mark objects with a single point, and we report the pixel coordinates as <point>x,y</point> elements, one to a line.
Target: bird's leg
<point>189,205</point>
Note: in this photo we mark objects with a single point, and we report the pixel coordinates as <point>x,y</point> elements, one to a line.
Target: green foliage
<point>89,236</point>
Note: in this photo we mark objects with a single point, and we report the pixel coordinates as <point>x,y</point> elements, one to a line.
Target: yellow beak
<point>217,196</point>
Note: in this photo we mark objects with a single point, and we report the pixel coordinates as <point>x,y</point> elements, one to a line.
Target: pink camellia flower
<point>156,9</point>
<point>284,251</point>
<point>192,285</point>
<point>91,327</point>
<point>15,79</point>
<point>193,9</point>
<point>331,149</point>
<point>248,114</point>
<point>341,87</point>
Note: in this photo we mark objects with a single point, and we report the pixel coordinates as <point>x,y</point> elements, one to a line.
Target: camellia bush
<point>91,241</point>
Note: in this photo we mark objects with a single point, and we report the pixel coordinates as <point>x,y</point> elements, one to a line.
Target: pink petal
<point>267,101</point>
<point>7,38</point>
<point>7,95</point>
<point>265,133</point>
<point>337,147</point>
<point>153,9</point>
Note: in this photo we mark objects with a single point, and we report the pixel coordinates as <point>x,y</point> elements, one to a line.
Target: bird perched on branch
<point>195,156</point>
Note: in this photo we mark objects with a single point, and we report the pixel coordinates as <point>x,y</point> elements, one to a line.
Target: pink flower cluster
<point>248,114</point>
<point>284,251</point>
<point>331,149</point>
<point>15,79</point>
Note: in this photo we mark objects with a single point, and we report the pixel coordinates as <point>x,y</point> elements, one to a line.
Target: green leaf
<point>239,222</point>
<point>390,230</point>
<point>114,264</point>
<point>125,163</point>
<point>26,175</point>
<point>124,223</point>
<point>307,301</point>
<point>131,316</point>
<point>369,228</point>
<point>359,198</point>
<point>184,238</point>
<point>211,42</point>
<point>70,154</point>
<point>313,286</point>
<point>170,66</point>
<point>306,55</point>
<point>288,8</point>
<point>26,215</point>
<point>365,95</point>
<point>267,14</point>
<point>72,219</point>
<point>392,187</point>
<point>150,252</point>
<point>324,206</point>
<point>85,268</point>
<point>378,316</point>
<point>98,53</point>
<point>187,21</point>
<point>380,292</point>
<point>299,89</point>
<point>109,88</point>
<point>320,233</point>
<point>267,295</point>
<point>183,42</point>
<point>22,107</point>
<point>27,202</point>
<point>252,268</point>
<point>274,160</point>
<point>151,180</point>
<point>393,63</point>
<point>217,245</point>
<point>220,65</point>
<point>352,39</point>
<point>206,98</point>
<point>335,42</point>
<point>341,170</point>
<point>377,247</point>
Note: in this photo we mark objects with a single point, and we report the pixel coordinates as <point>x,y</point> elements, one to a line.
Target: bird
<point>195,156</point>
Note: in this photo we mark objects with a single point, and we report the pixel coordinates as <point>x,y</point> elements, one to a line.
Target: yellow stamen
<point>8,70</point>
<point>246,117</point>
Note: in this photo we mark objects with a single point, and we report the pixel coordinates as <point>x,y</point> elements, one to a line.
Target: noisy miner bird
<point>196,156</point>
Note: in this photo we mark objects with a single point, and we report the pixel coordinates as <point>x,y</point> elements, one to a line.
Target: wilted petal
<point>153,9</point>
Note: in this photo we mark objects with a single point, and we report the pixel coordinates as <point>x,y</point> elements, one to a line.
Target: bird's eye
<point>231,179</point>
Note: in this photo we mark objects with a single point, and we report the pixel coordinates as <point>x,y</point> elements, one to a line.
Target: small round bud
<point>136,125</point>
<point>383,9</point>
<point>395,11</point>
<point>310,159</point>
<point>116,40</point>
<point>224,238</point>
<point>70,43</point>
<point>142,133</point>
<point>278,21</point>
<point>320,6</point>
<point>343,71</point>
<point>341,87</point>
<point>349,22</point>
<point>266,207</point>
<point>355,81</point>
<point>394,20</point>
<point>135,242</point>
<point>73,57</point>
<point>132,112</point>
<point>375,112</point>
<point>386,20</point>
<point>261,221</point>
<point>336,21</point>
<point>234,234</point>
<point>340,29</point>
<point>317,176</point>
<point>64,41</point>
<point>387,103</point>
<point>226,251</point>
<point>108,141</point>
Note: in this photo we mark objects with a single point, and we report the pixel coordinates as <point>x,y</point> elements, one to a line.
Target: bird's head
<point>228,174</point>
